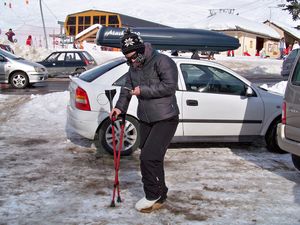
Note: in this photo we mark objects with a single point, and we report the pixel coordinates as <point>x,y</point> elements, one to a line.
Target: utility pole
<point>43,24</point>
<point>274,7</point>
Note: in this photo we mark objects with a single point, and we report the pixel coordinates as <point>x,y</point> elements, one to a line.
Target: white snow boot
<point>147,206</point>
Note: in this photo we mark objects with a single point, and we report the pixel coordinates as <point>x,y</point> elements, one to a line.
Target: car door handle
<point>192,102</point>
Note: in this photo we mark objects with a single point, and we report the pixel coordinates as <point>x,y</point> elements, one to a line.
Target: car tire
<point>19,80</point>
<point>271,138</point>
<point>78,71</point>
<point>296,161</point>
<point>131,136</point>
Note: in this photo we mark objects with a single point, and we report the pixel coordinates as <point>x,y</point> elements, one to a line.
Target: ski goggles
<point>136,57</point>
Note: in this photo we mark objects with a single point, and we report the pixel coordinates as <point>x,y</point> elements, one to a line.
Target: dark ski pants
<point>155,139</point>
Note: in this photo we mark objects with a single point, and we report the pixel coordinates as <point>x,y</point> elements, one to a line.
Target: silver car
<point>20,72</point>
<point>287,64</point>
<point>289,130</point>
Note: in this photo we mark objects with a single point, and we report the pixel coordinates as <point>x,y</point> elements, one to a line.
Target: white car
<point>215,103</point>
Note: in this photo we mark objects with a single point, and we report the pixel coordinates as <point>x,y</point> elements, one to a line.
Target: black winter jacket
<point>157,78</point>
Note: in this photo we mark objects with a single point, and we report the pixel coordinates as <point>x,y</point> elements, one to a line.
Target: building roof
<point>224,22</point>
<point>126,20</point>
<point>287,28</point>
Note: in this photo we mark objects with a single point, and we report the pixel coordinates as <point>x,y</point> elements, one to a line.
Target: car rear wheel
<point>19,80</point>
<point>296,161</point>
<point>271,138</point>
<point>131,136</point>
<point>78,71</point>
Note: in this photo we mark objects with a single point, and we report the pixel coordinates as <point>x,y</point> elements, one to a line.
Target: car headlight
<point>39,69</point>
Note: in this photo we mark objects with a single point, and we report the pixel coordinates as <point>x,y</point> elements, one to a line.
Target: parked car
<point>7,48</point>
<point>289,129</point>
<point>216,105</point>
<point>288,62</point>
<point>19,72</point>
<point>68,62</point>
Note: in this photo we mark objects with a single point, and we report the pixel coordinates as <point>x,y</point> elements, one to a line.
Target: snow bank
<point>279,87</point>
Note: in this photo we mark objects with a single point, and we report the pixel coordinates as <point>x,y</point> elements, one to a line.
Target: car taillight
<point>86,62</point>
<point>82,100</point>
<point>283,117</point>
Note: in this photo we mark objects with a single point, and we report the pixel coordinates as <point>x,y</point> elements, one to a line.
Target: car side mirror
<point>249,92</point>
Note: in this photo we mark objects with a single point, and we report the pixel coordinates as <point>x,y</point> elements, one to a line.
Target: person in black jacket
<point>152,78</point>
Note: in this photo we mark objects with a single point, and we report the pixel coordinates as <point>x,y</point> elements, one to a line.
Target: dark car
<point>7,48</point>
<point>288,62</point>
<point>68,62</point>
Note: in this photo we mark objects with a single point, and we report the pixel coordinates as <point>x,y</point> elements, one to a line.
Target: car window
<point>77,57</point>
<point>296,74</point>
<point>61,57</point>
<point>207,79</point>
<point>121,81</point>
<point>9,55</point>
<point>293,54</point>
<point>98,71</point>
<point>70,56</point>
<point>52,57</point>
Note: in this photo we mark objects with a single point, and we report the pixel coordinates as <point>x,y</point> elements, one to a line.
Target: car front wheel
<point>131,136</point>
<point>19,80</point>
<point>271,138</point>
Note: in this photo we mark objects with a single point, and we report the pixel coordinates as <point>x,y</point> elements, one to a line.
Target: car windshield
<point>88,56</point>
<point>9,55</point>
<point>53,57</point>
<point>98,71</point>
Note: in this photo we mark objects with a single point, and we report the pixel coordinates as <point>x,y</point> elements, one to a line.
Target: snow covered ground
<point>49,174</point>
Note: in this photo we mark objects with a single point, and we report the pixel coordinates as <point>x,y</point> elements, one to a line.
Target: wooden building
<point>80,21</point>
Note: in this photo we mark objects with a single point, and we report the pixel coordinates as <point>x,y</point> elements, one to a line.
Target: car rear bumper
<point>287,144</point>
<point>83,122</point>
<point>37,77</point>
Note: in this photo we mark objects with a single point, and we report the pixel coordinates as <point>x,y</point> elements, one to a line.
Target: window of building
<point>80,28</point>
<point>87,20</point>
<point>84,22</point>
<point>72,30</point>
<point>96,19</point>
<point>103,20</point>
<point>80,20</point>
<point>71,25</point>
<point>71,20</point>
<point>99,19</point>
<point>113,21</point>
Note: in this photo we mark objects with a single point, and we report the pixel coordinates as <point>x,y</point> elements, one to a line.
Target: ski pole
<point>121,143</point>
<point>117,157</point>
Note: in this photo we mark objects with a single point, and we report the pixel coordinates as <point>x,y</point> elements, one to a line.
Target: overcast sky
<point>177,13</point>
